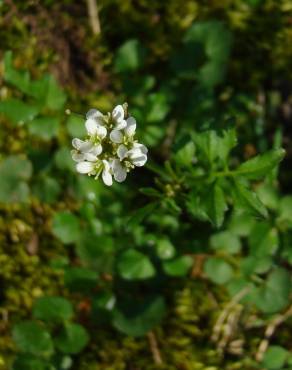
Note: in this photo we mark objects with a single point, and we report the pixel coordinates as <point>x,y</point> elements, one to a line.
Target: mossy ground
<point>82,62</point>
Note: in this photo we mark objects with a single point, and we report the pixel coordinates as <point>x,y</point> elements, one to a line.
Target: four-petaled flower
<point>110,149</point>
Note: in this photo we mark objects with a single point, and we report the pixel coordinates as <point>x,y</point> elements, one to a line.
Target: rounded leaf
<point>134,265</point>
<point>32,338</point>
<point>72,339</point>
<point>53,309</point>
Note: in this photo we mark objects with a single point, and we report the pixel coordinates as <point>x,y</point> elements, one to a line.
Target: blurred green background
<point>183,66</point>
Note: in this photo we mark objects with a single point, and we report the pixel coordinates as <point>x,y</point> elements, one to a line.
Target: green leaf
<point>52,309</point>
<point>25,361</point>
<point>218,270</point>
<point>268,195</point>
<point>134,265</point>
<point>216,144</point>
<point>129,57</point>
<point>216,40</point>
<point>260,165</point>
<point>258,265</point>
<point>80,279</point>
<point>185,155</point>
<point>44,127</point>
<point>17,111</point>
<point>97,252</point>
<point>75,126</point>
<point>275,357</point>
<point>157,107</point>
<point>32,338</point>
<point>141,213</point>
<point>285,211</point>
<point>47,189</point>
<point>136,318</point>
<point>214,204</point>
<point>273,296</point>
<point>66,227</point>
<point>179,266</point>
<point>72,339</point>
<point>20,79</point>
<point>225,241</point>
<point>263,240</point>
<point>247,200</point>
<point>165,249</point>
<point>48,93</point>
<point>14,172</point>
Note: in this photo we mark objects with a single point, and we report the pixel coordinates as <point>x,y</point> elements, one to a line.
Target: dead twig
<point>154,348</point>
<point>269,332</point>
<point>226,312</point>
<point>93,16</point>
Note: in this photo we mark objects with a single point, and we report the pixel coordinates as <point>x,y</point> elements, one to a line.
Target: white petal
<point>120,172</point>
<point>118,113</point>
<point>122,151</point>
<point>96,150</point>
<point>121,124</point>
<point>84,167</point>
<point>76,156</point>
<point>86,146</point>
<point>106,165</point>
<point>90,157</point>
<point>131,126</point>
<point>101,132</point>
<point>76,143</point>
<point>93,113</point>
<point>91,126</point>
<point>107,177</point>
<point>137,157</point>
<point>141,147</point>
<point>116,136</point>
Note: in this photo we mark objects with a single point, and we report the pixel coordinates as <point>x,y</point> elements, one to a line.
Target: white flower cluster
<point>110,148</point>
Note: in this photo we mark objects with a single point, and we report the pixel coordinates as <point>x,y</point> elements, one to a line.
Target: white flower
<point>96,168</point>
<point>85,150</point>
<point>95,124</point>
<point>120,173</point>
<point>117,136</point>
<point>137,155</point>
<point>118,116</point>
<point>110,149</point>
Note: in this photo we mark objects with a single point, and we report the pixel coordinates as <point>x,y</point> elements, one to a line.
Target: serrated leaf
<point>20,79</point>
<point>215,204</point>
<point>248,200</point>
<point>44,127</point>
<point>17,111</point>
<point>260,165</point>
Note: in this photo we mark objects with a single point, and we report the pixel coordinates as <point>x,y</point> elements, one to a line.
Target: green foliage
<point>15,171</point>
<point>275,357</point>
<point>72,339</point>
<point>218,270</point>
<point>133,265</point>
<point>32,338</point>
<point>52,309</point>
<point>66,227</point>
<point>202,197</point>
